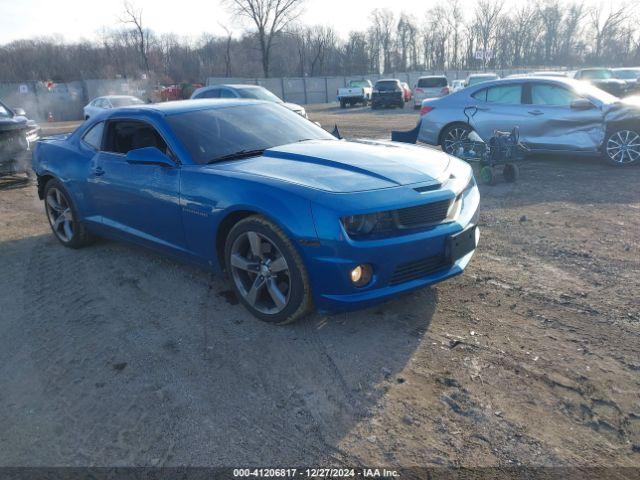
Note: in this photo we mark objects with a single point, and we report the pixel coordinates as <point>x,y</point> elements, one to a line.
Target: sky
<point>78,19</point>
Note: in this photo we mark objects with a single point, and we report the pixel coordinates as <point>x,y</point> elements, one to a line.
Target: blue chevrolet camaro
<point>296,217</point>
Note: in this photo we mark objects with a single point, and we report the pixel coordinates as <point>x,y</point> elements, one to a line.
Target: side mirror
<point>148,156</point>
<point>20,112</point>
<point>582,104</point>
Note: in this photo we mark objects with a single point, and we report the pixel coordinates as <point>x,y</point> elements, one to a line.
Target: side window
<point>126,135</point>
<point>93,136</point>
<point>213,93</point>
<point>226,93</point>
<point>547,94</point>
<point>505,94</point>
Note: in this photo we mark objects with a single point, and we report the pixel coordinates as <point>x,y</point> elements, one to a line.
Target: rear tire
<point>63,216</point>
<point>510,172</point>
<point>267,272</point>
<point>453,136</point>
<point>487,175</point>
<point>622,147</point>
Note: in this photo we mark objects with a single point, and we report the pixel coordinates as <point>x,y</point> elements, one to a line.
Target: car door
<point>137,200</point>
<point>560,119</point>
<point>498,107</point>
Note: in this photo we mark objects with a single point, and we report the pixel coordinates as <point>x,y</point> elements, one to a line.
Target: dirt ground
<point>113,355</point>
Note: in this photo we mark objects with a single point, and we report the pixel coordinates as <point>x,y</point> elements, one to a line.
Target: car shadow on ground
<point>125,357</point>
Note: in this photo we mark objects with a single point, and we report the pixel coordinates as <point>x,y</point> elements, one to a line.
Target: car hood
<point>347,166</point>
<point>13,123</point>
<point>293,106</point>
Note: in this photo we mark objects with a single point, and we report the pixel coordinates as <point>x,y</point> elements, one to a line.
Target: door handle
<point>98,171</point>
<point>535,112</point>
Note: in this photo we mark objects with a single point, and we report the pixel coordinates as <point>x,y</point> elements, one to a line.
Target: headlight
<point>359,225</point>
<point>371,223</point>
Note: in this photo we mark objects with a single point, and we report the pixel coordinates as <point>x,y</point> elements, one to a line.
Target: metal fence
<point>64,101</point>
<point>304,90</point>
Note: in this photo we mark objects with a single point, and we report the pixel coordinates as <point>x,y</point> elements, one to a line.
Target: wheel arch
<point>235,216</point>
<point>42,182</point>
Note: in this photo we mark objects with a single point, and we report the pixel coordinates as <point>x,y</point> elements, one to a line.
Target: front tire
<point>622,147</point>
<point>267,272</point>
<point>63,216</point>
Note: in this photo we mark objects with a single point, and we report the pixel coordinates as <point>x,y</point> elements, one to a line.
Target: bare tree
<point>270,17</point>
<point>383,24</point>
<point>133,16</point>
<point>606,26</point>
<point>227,49</point>
<point>486,23</point>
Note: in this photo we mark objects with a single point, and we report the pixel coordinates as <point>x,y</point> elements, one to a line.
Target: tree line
<point>490,35</point>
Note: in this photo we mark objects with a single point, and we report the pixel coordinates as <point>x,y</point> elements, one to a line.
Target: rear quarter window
<point>93,136</point>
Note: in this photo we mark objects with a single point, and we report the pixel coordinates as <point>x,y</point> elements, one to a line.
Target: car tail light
<point>445,91</point>
<point>425,109</point>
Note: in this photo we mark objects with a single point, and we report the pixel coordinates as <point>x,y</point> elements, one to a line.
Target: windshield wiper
<point>238,154</point>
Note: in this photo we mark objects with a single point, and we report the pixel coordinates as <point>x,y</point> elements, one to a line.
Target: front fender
<point>208,199</point>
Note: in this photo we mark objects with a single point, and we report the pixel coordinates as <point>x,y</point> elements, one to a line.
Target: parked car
<point>387,93</point>
<point>554,115</point>
<point>456,85</point>
<point>430,87</point>
<point>408,95</point>
<point>99,104</point>
<point>18,134</point>
<point>358,91</point>
<point>251,92</point>
<point>294,216</point>
<point>604,79</point>
<point>476,78</point>
<point>629,75</point>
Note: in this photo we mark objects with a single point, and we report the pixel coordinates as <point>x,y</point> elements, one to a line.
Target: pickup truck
<point>358,91</point>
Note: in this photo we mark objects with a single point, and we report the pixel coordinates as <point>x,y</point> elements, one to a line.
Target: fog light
<point>361,275</point>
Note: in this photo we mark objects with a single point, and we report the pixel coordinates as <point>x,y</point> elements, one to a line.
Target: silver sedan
<point>554,115</point>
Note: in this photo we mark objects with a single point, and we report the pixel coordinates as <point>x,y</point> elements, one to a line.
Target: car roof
<point>118,96</point>
<point>570,82</point>
<point>388,80</point>
<point>483,75</point>
<point>230,85</point>
<point>432,76</point>
<point>591,69</point>
<point>635,69</point>
<point>184,106</point>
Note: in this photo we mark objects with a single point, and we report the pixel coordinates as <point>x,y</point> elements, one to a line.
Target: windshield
<point>474,79</point>
<point>215,132</point>
<point>387,86</point>
<point>4,112</point>
<point>258,93</point>
<point>434,82</point>
<point>596,74</point>
<point>125,101</point>
<point>627,74</point>
<point>596,93</point>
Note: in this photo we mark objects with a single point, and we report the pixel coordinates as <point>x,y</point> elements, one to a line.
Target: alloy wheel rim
<point>260,273</point>
<point>624,147</point>
<point>59,214</point>
<point>454,138</point>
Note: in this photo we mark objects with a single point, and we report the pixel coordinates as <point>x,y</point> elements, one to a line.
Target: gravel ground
<point>113,355</point>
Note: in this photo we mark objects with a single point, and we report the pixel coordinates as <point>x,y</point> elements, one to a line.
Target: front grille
<point>417,269</point>
<point>420,215</point>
